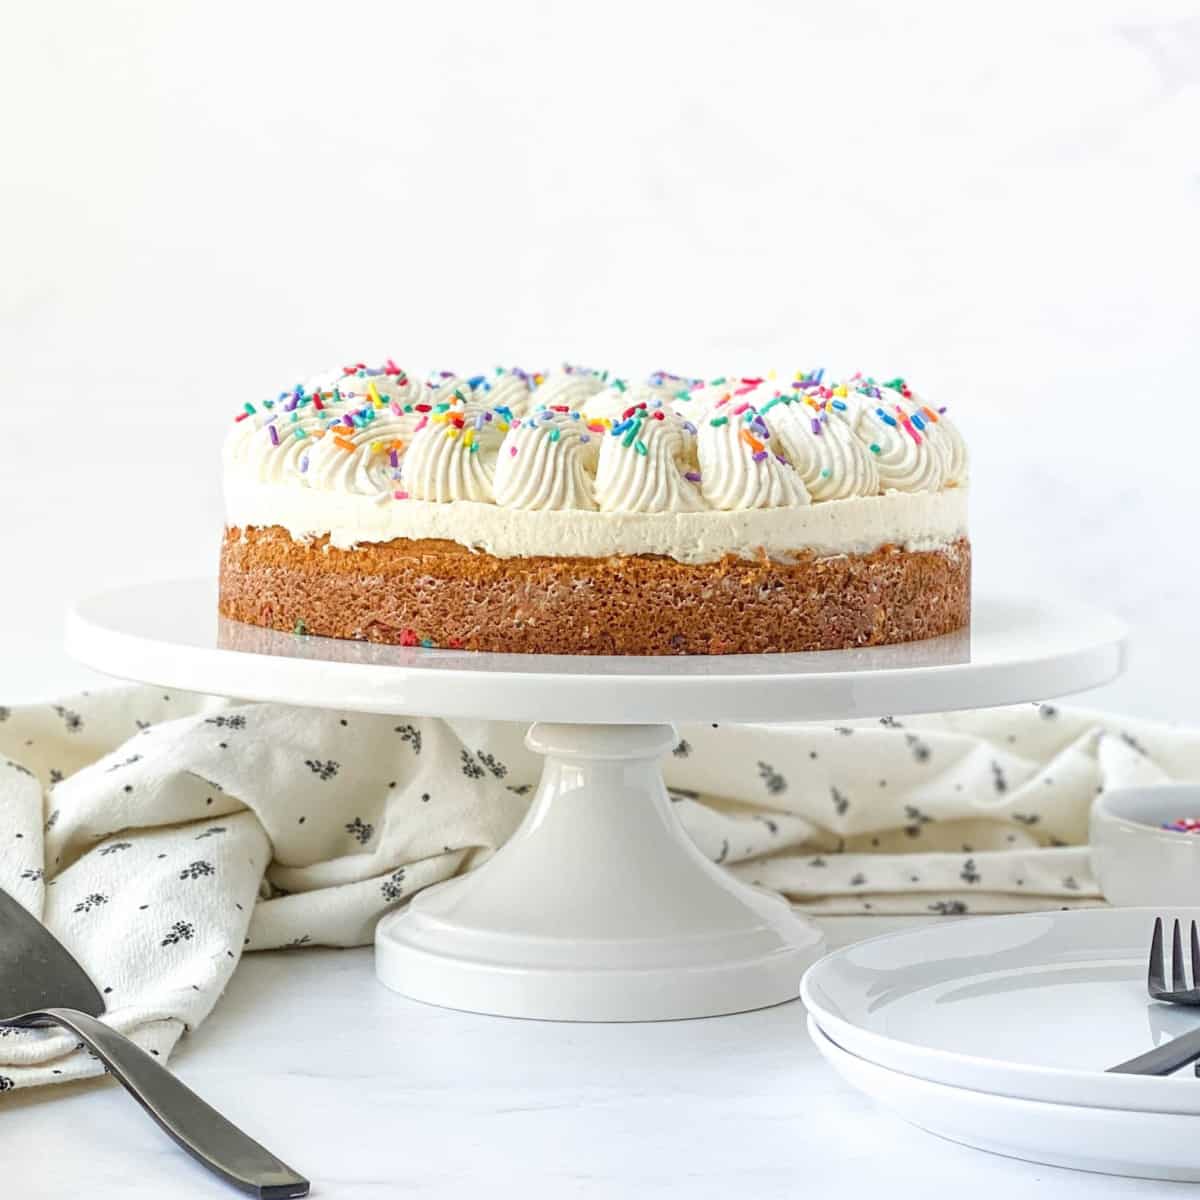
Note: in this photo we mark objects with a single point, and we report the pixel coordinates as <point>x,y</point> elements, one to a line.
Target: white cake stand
<point>599,908</point>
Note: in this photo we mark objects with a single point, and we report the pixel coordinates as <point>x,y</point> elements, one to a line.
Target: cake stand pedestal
<point>599,908</point>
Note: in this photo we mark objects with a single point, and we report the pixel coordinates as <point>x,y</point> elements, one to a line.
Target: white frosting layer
<point>916,521</point>
<point>571,463</point>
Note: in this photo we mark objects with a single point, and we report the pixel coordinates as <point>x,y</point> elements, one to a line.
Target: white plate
<point>1034,1006</point>
<point>1149,1145</point>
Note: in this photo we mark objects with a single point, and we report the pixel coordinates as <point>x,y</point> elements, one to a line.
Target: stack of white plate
<point>996,1032</point>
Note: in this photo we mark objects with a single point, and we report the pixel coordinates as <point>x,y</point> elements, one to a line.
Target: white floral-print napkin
<point>160,835</point>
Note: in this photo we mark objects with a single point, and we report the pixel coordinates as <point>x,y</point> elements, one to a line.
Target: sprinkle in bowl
<point>1137,857</point>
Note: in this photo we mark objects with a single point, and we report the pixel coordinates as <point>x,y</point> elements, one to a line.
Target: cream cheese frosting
<point>573,462</point>
<point>452,452</point>
<point>512,389</point>
<point>651,467</point>
<point>915,521</point>
<point>546,462</point>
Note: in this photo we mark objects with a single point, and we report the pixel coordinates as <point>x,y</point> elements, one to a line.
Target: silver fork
<point>1156,977</point>
<point>1180,1051</point>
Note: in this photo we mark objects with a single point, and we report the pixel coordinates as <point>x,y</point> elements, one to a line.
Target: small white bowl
<point>1137,861</point>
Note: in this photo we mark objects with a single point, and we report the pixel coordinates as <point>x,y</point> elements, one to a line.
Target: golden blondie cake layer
<point>436,592</point>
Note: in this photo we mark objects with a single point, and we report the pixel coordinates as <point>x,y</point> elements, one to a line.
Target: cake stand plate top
<point>170,634</point>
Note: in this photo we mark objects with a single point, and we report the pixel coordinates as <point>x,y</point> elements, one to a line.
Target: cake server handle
<point>196,1126</point>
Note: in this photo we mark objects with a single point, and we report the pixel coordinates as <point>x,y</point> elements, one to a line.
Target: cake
<point>577,513</point>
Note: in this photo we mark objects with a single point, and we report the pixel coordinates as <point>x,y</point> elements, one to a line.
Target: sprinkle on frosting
<point>581,438</point>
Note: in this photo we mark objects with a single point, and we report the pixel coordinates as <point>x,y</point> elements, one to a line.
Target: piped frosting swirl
<point>546,461</point>
<point>648,463</point>
<point>452,455</point>
<point>740,466</point>
<point>580,439</point>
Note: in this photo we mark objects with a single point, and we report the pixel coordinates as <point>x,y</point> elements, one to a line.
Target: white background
<point>202,203</point>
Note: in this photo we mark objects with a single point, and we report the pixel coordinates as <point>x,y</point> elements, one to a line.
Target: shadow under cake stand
<point>599,908</point>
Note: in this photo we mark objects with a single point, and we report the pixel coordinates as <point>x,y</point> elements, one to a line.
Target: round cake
<point>573,512</point>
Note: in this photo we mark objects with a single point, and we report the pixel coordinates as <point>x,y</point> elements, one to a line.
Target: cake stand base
<point>599,908</point>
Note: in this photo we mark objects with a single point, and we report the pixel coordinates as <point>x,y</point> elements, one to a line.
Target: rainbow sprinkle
<point>1183,825</point>
<point>350,411</point>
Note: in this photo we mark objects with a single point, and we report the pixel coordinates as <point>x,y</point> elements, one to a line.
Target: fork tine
<point>1156,980</point>
<point>1195,957</point>
<point>1179,980</point>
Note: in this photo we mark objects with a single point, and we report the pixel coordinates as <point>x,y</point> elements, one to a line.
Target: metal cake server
<point>41,984</point>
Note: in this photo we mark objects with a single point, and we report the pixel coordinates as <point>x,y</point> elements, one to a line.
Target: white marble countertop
<point>373,1095</point>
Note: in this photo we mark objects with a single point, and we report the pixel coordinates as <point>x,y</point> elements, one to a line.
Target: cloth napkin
<point>160,835</point>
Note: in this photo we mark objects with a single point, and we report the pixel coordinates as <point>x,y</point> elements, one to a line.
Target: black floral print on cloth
<point>125,762</point>
<point>410,734</point>
<point>197,870</point>
<point>237,721</point>
<point>775,782</point>
<point>361,831</point>
<point>920,750</point>
<point>393,885</point>
<point>491,763</point>
<point>71,719</point>
<point>181,931</point>
<point>479,763</point>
